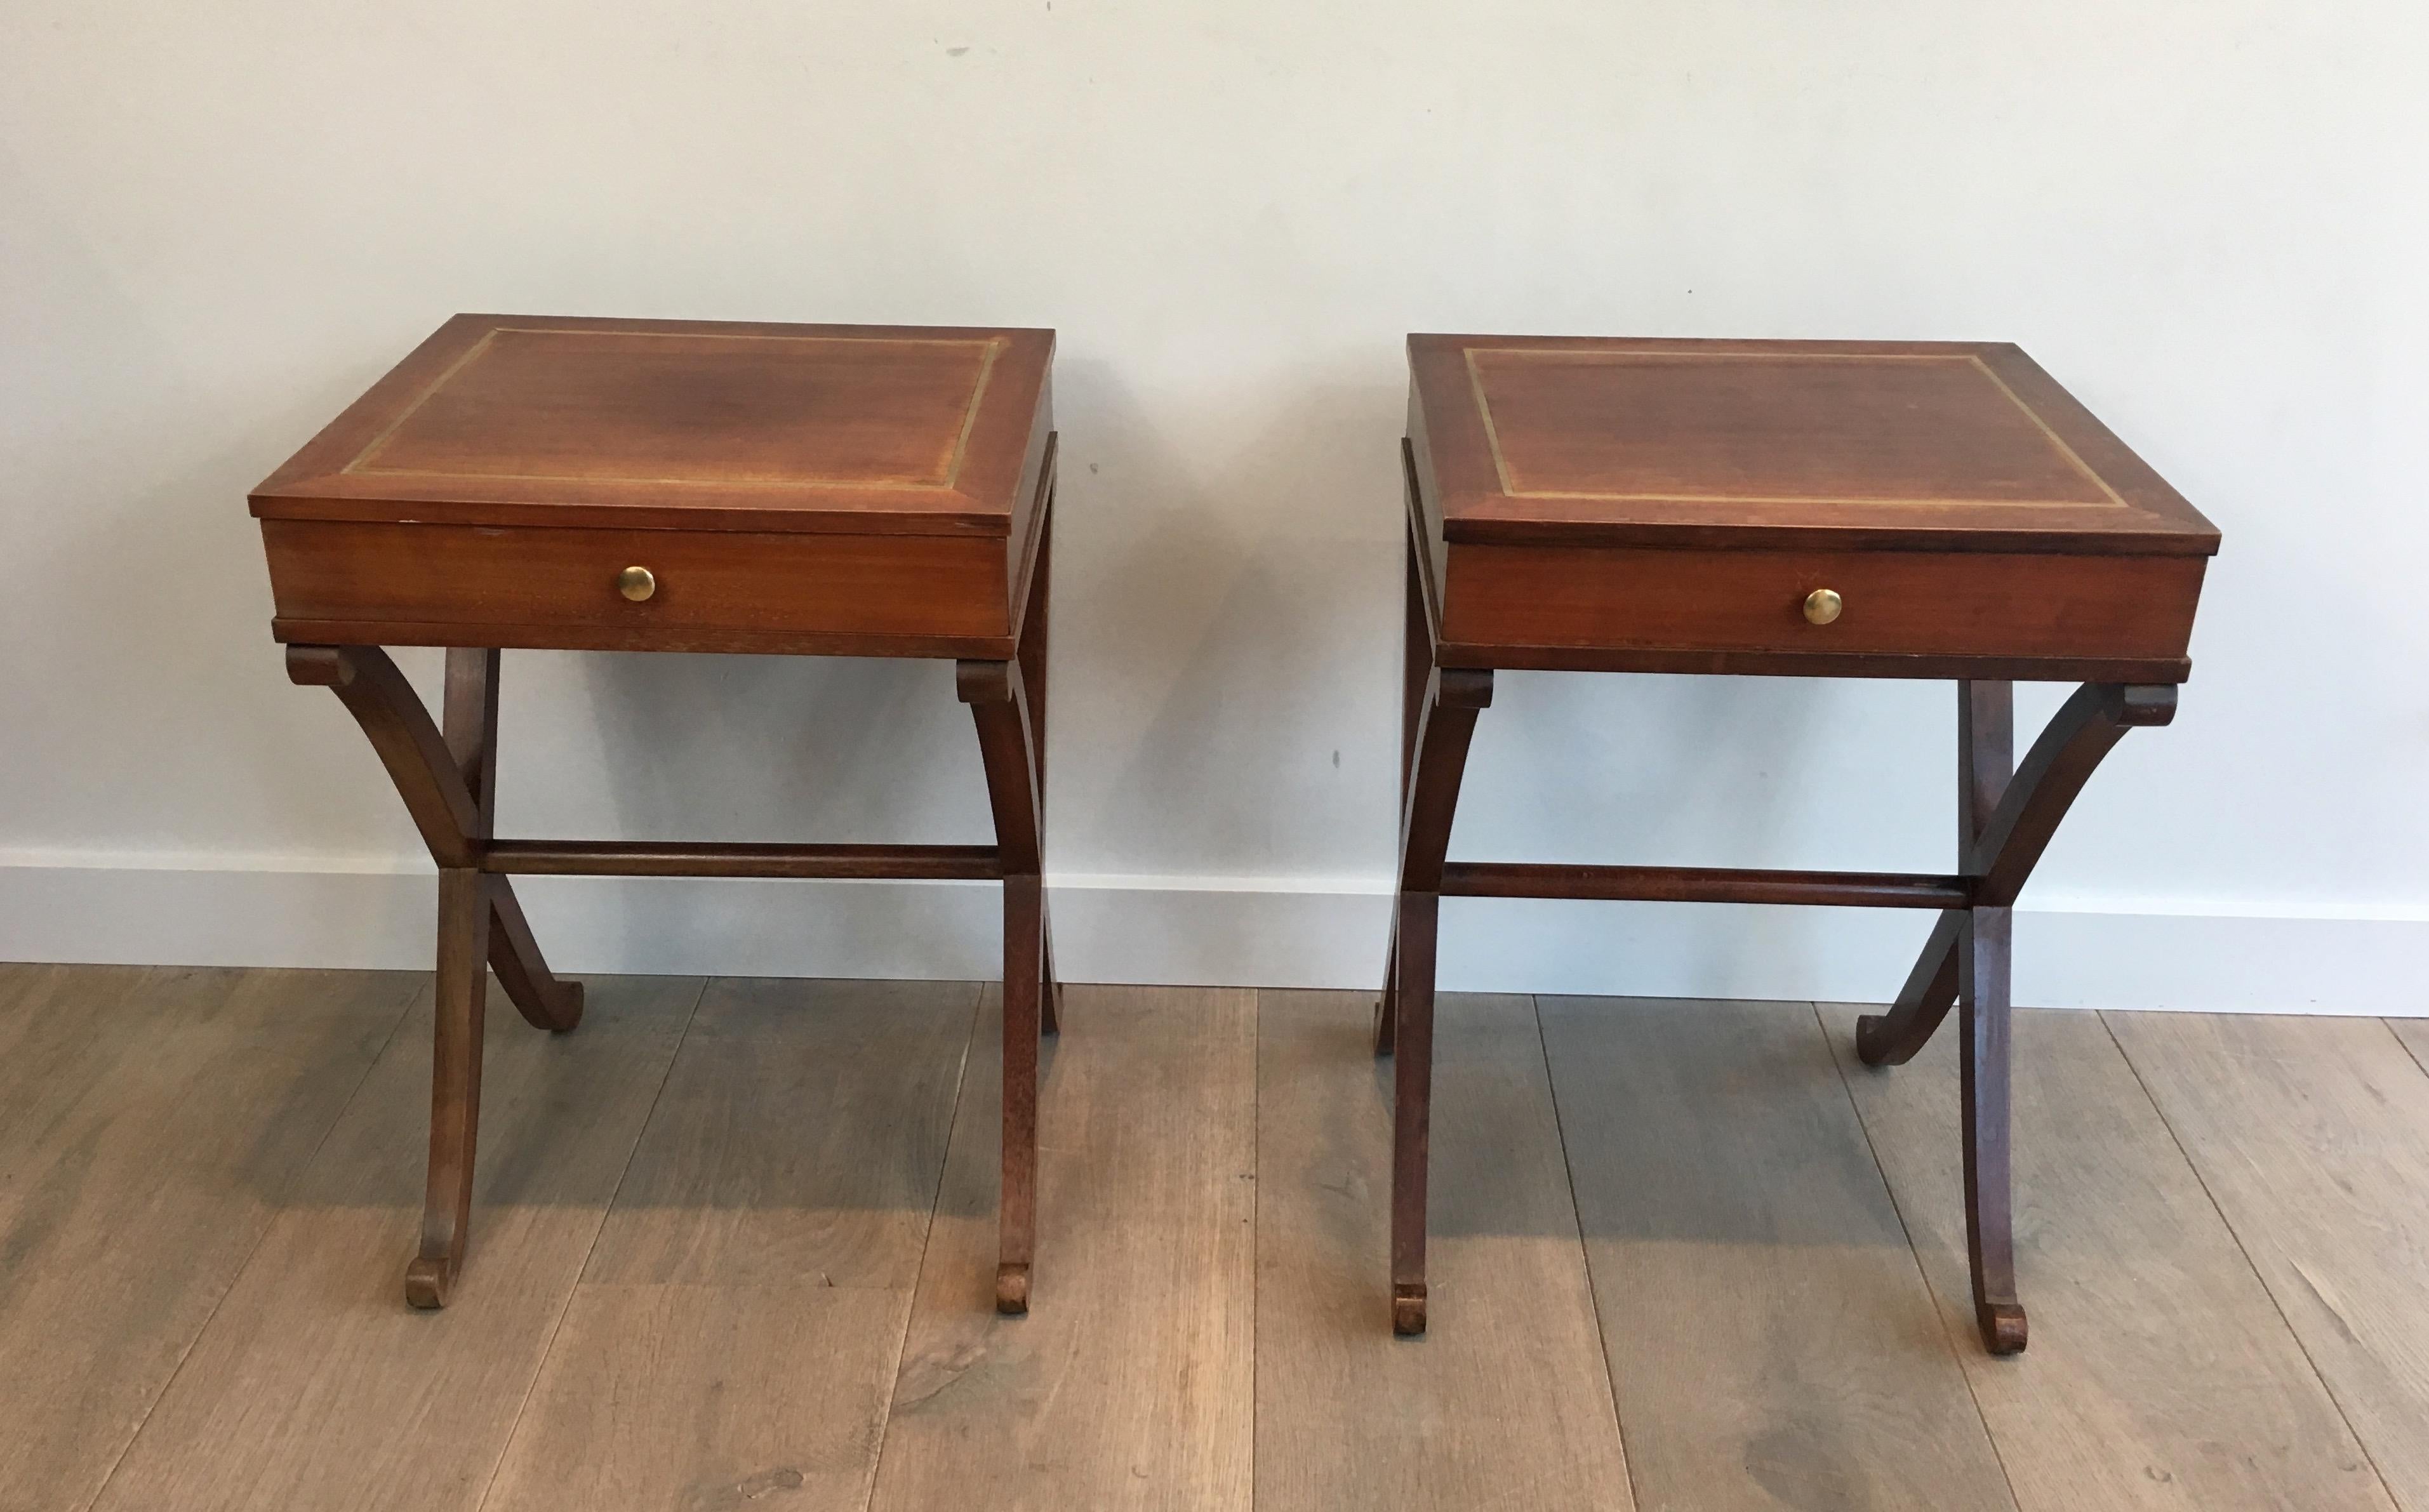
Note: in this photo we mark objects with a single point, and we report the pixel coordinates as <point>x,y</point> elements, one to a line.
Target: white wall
<point>219,223</point>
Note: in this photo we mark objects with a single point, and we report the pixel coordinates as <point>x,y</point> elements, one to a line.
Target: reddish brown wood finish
<point>679,857</point>
<point>689,425</point>
<point>2121,615</point>
<point>469,709</point>
<point>842,490</point>
<point>1668,506</point>
<point>999,706</point>
<point>1844,445</point>
<point>1445,722</point>
<point>1033,633</point>
<point>1704,884</point>
<point>555,589</point>
<point>1986,745</point>
<point>479,921</point>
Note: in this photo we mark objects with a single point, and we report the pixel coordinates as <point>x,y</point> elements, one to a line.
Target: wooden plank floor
<point>733,1249</point>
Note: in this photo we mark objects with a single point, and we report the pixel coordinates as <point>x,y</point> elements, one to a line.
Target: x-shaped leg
<point>2004,825</point>
<point>448,781</point>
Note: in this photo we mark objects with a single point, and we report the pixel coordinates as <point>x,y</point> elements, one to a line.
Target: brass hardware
<point>1822,606</point>
<point>639,582</point>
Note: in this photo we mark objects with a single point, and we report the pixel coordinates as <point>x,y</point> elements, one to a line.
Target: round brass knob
<point>639,582</point>
<point>1822,606</point>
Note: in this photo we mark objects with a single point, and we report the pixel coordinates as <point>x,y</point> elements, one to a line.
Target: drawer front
<point>1946,604</point>
<point>560,588</point>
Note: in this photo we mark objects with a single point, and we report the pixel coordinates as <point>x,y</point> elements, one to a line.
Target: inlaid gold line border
<point>2055,439</point>
<point>418,399</point>
<point>1501,464</point>
<point>991,347</point>
<point>971,415</point>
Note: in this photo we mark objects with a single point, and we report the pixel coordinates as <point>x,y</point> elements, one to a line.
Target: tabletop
<point>1947,445</point>
<point>502,419</point>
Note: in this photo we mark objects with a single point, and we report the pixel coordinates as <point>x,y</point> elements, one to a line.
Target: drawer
<point>377,583</point>
<point>2056,615</point>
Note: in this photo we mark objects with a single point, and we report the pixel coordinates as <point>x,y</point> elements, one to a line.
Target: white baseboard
<point>282,911</point>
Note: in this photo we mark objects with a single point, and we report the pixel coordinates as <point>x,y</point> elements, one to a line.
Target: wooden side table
<point>664,486</point>
<point>1783,508</point>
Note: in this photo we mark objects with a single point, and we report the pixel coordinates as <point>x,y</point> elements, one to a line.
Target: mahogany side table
<point>1796,509</point>
<point>664,486</point>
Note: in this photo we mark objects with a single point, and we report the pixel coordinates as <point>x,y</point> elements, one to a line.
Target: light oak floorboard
<point>2313,1136</point>
<point>2160,1375</point>
<point>800,1137</point>
<point>1129,1383</point>
<point>2413,1032</point>
<point>1770,1339</point>
<point>736,1336</point>
<point>1505,1401</point>
<point>704,1398</point>
<point>314,1386</point>
<point>151,1122</point>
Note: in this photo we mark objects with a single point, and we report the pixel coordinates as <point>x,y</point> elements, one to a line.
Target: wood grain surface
<point>1740,1238</point>
<point>1693,1261</point>
<point>314,1385</point>
<point>152,1124</point>
<point>2162,1376</point>
<point>505,420</point>
<point>1129,1381</point>
<point>2312,1135</point>
<point>1505,1400</point>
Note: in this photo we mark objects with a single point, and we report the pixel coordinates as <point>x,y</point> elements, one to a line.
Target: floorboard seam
<point>506,1446</point>
<point>1585,1251</point>
<point>1956,1341</point>
<point>919,1271</point>
<point>2241,1248</point>
<point>1256,1210</point>
<point>404,1012</point>
<point>2407,1047</point>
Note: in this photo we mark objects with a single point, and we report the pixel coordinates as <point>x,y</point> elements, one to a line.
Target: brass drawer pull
<point>1822,606</point>
<point>639,582</point>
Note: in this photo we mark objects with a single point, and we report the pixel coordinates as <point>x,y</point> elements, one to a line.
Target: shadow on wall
<point>1227,634</point>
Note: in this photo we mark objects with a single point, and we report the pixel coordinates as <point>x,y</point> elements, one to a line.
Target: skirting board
<point>1214,933</point>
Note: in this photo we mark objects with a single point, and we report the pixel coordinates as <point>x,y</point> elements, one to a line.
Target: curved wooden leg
<point>1986,757</point>
<point>1989,1222</point>
<point>1035,624</point>
<point>1387,1007</point>
<point>454,1085</point>
<point>1416,671</point>
<point>449,784</point>
<point>448,781</point>
<point>1049,1002</point>
<point>1412,1072</point>
<point>2011,824</point>
<point>1893,1038</point>
<point>1445,725</point>
<point>994,691</point>
<point>546,1002</point>
<point>469,724</point>
<point>1017,1232</point>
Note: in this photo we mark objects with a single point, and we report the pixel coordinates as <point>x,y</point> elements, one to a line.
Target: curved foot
<point>1011,1289</point>
<point>1409,1310</point>
<point>2002,1326</point>
<point>569,1001</point>
<point>1384,1025</point>
<point>1872,1039</point>
<point>427,1282</point>
<point>1050,1020</point>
